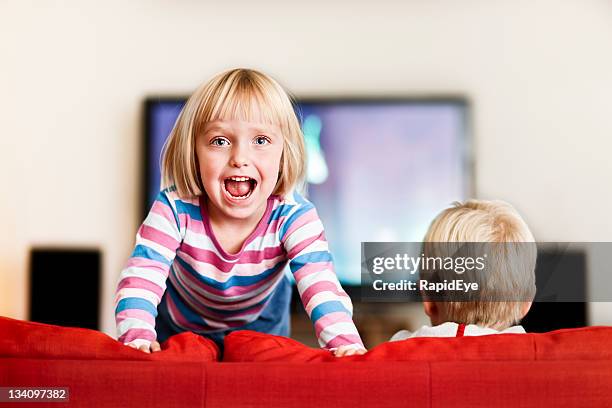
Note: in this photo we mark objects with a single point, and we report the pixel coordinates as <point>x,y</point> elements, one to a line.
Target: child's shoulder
<point>295,199</point>
<point>290,207</point>
<point>171,197</point>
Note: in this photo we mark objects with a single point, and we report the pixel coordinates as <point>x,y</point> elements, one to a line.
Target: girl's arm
<point>310,261</point>
<point>143,282</point>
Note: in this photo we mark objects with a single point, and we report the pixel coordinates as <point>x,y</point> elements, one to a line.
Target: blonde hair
<point>510,272</point>
<point>240,94</point>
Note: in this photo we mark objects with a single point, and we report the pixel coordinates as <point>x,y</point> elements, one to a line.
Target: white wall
<point>73,75</point>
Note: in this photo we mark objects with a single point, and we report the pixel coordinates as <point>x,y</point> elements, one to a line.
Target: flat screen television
<point>379,169</point>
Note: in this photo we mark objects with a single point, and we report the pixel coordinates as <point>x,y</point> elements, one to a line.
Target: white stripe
<point>320,276</point>
<point>138,293</point>
<point>318,245</point>
<point>160,249</point>
<point>290,199</point>
<point>269,240</point>
<point>323,297</point>
<point>133,323</point>
<point>200,241</point>
<point>162,224</point>
<point>199,307</point>
<point>337,329</point>
<point>203,241</point>
<point>215,301</point>
<point>245,269</point>
<point>145,273</point>
<point>308,231</point>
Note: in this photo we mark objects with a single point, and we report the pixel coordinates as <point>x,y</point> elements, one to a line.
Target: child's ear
<point>525,306</point>
<point>431,309</point>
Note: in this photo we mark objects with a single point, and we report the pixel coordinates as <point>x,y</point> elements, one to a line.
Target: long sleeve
<point>310,261</point>
<point>143,281</point>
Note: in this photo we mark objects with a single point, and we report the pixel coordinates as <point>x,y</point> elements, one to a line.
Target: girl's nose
<point>239,158</point>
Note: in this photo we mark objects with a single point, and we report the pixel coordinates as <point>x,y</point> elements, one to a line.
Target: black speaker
<point>561,292</point>
<point>65,286</point>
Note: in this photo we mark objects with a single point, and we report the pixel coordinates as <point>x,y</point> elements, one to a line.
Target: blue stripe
<point>313,257</point>
<point>300,199</point>
<point>143,251</point>
<point>301,211</point>
<point>184,310</point>
<point>190,209</point>
<point>232,312</point>
<point>234,280</point>
<point>326,308</point>
<point>163,198</point>
<point>136,303</point>
<point>280,211</point>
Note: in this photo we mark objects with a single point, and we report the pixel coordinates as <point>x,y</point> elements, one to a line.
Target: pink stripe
<point>163,210</point>
<point>178,317</point>
<point>311,268</point>
<point>329,319</point>
<point>140,283</point>
<point>318,287</point>
<point>195,226</point>
<point>296,249</point>
<point>192,282</point>
<point>259,231</point>
<point>231,291</point>
<point>159,237</point>
<point>135,314</point>
<point>140,262</point>
<point>344,340</point>
<point>274,224</point>
<point>306,218</point>
<point>250,309</point>
<point>137,334</point>
<point>244,270</point>
<point>181,321</point>
<point>247,257</point>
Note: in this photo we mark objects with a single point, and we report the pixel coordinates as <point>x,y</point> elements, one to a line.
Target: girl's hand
<point>147,347</point>
<point>344,351</point>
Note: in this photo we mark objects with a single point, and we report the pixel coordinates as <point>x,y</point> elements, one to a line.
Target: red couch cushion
<point>19,338</point>
<point>247,346</point>
<point>589,343</point>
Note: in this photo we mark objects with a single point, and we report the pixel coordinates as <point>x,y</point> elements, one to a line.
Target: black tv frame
<point>354,291</point>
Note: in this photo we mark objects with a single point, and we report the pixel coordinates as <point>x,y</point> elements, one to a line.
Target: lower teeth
<point>240,197</point>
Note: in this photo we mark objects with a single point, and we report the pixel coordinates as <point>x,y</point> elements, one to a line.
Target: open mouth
<point>239,188</point>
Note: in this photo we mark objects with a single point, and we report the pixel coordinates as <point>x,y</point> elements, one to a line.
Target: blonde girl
<point>210,255</point>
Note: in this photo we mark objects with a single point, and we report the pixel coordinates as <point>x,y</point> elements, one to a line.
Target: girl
<point>210,255</point>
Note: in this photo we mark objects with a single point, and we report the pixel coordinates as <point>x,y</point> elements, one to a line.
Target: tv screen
<point>378,169</point>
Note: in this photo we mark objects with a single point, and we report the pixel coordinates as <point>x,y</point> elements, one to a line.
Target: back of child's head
<point>507,283</point>
<point>237,94</point>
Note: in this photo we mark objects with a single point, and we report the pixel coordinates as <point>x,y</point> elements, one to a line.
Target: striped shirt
<point>210,290</point>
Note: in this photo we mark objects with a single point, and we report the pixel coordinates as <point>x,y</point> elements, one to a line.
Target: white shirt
<point>449,329</point>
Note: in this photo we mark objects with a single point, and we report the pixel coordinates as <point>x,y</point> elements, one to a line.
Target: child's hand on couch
<point>344,351</point>
<point>144,345</point>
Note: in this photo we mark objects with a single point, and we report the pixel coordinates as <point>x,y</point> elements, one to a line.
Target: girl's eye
<point>262,140</point>
<point>219,141</point>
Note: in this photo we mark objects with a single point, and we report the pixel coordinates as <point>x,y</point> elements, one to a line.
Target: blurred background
<point>534,77</point>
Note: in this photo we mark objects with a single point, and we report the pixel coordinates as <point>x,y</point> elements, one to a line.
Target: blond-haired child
<point>210,256</point>
<point>507,285</point>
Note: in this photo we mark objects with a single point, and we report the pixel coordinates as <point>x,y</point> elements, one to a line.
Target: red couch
<point>562,368</point>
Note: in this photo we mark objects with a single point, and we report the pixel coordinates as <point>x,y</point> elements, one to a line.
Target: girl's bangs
<point>248,103</point>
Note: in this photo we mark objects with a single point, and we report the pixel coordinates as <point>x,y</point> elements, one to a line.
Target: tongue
<point>238,188</point>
